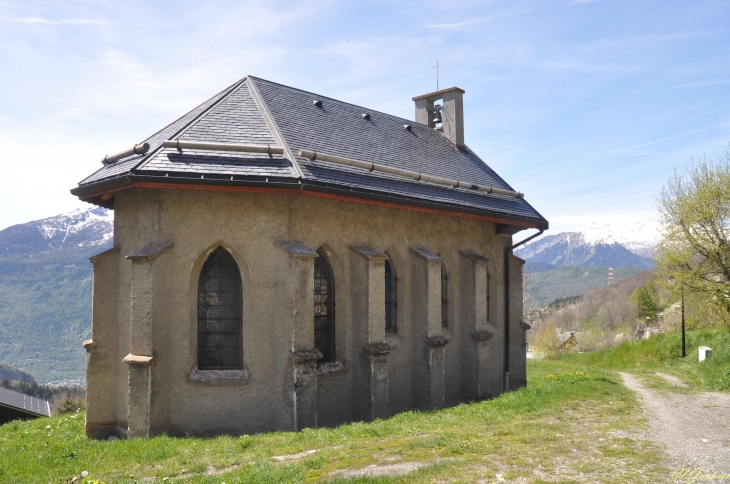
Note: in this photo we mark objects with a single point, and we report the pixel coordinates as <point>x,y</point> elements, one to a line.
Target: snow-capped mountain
<point>45,291</point>
<point>639,237</point>
<point>80,228</point>
<point>575,249</point>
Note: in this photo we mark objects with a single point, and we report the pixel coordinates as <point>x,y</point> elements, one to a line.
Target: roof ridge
<point>191,110</point>
<point>274,127</point>
<point>231,89</point>
<point>369,110</point>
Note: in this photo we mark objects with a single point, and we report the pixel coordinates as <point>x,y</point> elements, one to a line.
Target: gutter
<point>507,252</point>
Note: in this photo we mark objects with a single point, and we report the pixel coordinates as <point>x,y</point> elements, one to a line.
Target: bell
<point>437,114</point>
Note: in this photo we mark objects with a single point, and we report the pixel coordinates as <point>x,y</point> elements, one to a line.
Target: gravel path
<point>694,428</point>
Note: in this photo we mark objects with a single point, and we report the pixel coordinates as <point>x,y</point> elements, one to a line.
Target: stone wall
<point>152,310</point>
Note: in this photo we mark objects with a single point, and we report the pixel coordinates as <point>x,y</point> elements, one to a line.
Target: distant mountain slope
<point>572,249</point>
<point>9,372</point>
<point>545,286</point>
<point>45,291</point>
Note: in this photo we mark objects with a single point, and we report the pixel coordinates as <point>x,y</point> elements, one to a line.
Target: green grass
<point>569,425</point>
<point>662,353</point>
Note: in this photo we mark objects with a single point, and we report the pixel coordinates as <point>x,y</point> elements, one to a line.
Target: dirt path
<point>694,428</point>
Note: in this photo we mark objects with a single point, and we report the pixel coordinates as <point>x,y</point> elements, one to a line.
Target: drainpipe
<point>507,252</point>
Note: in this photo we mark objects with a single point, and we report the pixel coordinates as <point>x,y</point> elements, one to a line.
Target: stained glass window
<point>220,313</point>
<point>324,307</point>
<point>444,296</point>
<point>390,297</point>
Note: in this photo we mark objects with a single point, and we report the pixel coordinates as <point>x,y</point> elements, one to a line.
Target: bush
<point>69,405</point>
<point>545,341</point>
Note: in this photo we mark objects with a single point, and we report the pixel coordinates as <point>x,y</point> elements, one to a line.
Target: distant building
<point>568,342</point>
<point>18,406</point>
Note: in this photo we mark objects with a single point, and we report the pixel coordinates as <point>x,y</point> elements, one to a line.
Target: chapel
<point>285,260</point>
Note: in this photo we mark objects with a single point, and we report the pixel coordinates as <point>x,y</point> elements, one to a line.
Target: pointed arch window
<point>220,313</point>
<point>391,299</point>
<point>444,296</point>
<point>324,307</point>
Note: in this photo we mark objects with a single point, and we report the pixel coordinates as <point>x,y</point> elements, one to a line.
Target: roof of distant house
<point>254,111</point>
<point>24,403</point>
<point>565,337</point>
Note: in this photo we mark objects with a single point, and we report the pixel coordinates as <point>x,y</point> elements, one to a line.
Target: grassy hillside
<point>662,353</point>
<point>45,312</point>
<point>547,285</point>
<point>568,426</point>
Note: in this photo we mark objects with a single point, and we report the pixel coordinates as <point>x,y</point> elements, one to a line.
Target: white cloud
<point>517,13</point>
<point>73,21</point>
<point>720,82</point>
<point>681,135</point>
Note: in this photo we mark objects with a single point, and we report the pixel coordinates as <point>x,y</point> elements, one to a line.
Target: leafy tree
<point>546,343</point>
<point>694,209</point>
<point>646,301</point>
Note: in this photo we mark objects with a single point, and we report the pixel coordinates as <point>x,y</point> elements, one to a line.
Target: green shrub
<point>69,405</point>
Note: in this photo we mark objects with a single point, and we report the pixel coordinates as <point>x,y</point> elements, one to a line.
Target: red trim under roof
<point>99,196</point>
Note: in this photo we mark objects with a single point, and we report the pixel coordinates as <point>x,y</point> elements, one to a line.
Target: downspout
<point>507,252</point>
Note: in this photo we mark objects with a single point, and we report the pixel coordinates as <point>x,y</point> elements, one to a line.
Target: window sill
<point>393,339</point>
<point>218,375</point>
<point>330,367</point>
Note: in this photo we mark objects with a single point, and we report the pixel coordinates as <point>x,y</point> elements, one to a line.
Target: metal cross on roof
<point>437,73</point>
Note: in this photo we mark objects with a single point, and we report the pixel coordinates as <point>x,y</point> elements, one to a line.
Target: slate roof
<point>25,403</point>
<point>260,112</point>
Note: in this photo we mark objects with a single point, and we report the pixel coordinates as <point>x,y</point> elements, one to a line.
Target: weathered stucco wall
<point>518,337</point>
<point>263,396</point>
<point>102,357</point>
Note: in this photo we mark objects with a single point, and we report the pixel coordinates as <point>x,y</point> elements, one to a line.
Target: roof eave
<point>92,192</point>
<point>23,410</point>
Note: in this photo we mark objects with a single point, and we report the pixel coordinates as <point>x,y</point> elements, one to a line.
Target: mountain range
<point>570,263</point>
<point>45,291</point>
<point>594,246</point>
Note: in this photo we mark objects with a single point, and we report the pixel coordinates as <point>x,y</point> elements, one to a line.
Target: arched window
<point>444,296</point>
<point>489,303</point>
<point>324,307</point>
<point>391,304</point>
<point>220,313</point>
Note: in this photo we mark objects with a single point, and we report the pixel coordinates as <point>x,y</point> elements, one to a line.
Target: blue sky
<point>585,106</point>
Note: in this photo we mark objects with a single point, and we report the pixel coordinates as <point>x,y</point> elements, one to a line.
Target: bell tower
<point>450,113</point>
